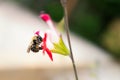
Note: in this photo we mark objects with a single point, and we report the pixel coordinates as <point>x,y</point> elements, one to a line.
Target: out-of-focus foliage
<point>53,7</point>
<point>85,22</point>
<point>111,38</point>
<point>89,18</point>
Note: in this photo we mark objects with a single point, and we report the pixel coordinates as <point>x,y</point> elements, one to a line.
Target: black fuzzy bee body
<point>35,44</point>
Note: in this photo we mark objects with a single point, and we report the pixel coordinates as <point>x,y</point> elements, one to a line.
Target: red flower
<point>44,47</point>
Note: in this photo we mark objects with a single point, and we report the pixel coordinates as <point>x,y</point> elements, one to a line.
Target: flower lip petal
<point>49,53</point>
<point>45,49</point>
<point>44,42</point>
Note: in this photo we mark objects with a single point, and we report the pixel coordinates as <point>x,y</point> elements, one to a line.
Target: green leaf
<point>60,48</point>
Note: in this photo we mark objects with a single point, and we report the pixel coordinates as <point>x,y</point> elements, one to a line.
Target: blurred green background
<point>96,20</point>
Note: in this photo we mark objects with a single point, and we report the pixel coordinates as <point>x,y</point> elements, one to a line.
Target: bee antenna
<point>42,12</point>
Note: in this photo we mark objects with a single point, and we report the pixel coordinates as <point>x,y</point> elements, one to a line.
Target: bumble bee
<point>35,44</point>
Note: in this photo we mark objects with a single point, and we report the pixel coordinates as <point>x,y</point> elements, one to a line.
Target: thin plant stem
<point>64,4</point>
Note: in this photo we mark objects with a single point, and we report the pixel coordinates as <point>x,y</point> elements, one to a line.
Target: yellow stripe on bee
<point>34,37</point>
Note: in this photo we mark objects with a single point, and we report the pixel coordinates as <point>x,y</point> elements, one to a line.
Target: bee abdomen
<point>34,48</point>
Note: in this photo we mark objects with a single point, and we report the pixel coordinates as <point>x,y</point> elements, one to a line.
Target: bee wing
<point>29,47</point>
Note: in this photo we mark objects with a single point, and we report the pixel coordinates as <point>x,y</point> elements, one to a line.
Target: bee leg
<point>40,48</point>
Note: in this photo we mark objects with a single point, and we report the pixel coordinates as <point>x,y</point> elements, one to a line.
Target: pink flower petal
<point>37,32</point>
<point>45,17</point>
<point>45,49</point>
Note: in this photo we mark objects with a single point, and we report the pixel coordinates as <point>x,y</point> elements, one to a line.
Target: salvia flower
<point>56,39</point>
<point>50,42</point>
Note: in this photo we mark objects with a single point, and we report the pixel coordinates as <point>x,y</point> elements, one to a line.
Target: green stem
<point>64,4</point>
